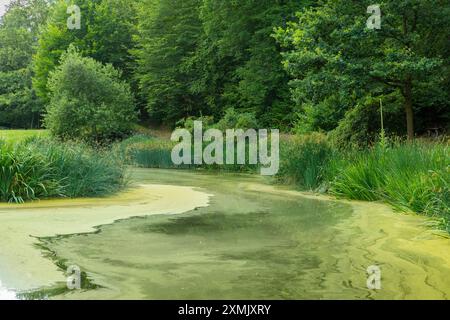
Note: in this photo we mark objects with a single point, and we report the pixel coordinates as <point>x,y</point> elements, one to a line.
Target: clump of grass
<point>25,176</point>
<point>304,159</point>
<point>410,176</point>
<point>41,168</point>
<point>147,152</point>
<point>84,171</point>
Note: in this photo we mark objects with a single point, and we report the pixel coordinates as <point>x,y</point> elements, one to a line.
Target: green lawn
<point>13,136</point>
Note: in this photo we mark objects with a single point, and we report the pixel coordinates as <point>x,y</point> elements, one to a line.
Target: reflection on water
<point>251,244</point>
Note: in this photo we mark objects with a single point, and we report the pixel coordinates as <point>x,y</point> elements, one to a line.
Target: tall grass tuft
<point>410,176</point>
<point>41,168</point>
<point>25,176</point>
<point>304,159</point>
<point>147,152</point>
<point>84,171</point>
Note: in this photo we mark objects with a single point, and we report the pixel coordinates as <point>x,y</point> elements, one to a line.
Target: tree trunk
<point>409,109</point>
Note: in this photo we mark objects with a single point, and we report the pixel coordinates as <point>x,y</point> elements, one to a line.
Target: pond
<point>234,237</point>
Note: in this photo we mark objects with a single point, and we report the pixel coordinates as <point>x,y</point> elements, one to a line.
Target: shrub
<point>88,101</point>
<point>361,125</point>
<point>231,120</point>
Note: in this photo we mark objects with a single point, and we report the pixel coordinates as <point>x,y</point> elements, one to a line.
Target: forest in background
<point>300,66</point>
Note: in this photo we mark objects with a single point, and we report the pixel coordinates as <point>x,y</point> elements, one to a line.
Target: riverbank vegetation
<point>39,168</point>
<point>412,177</point>
<point>312,69</point>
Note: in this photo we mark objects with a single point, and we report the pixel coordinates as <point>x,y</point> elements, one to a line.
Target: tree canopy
<point>297,65</point>
<point>341,68</point>
<point>105,34</point>
<point>19,29</point>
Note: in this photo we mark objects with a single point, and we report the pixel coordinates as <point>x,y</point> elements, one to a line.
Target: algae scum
<point>253,241</point>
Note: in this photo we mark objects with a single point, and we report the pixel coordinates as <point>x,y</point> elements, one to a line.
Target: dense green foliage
<point>103,112</point>
<point>203,57</point>
<point>232,119</point>
<point>107,28</point>
<point>40,168</point>
<point>19,28</point>
<point>240,61</point>
<point>341,69</point>
<point>169,32</point>
<point>309,65</point>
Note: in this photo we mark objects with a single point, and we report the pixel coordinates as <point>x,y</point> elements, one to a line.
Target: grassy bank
<point>38,168</point>
<point>147,152</point>
<point>412,176</point>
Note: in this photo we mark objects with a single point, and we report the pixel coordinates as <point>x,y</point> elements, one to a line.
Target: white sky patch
<point>3,4</point>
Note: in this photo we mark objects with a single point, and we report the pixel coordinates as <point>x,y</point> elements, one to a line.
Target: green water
<point>253,242</point>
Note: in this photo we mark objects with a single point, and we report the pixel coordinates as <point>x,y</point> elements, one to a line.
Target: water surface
<point>255,241</point>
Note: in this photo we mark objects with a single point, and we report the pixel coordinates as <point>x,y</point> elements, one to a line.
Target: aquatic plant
<point>303,160</point>
<point>411,176</point>
<point>42,168</point>
<point>25,176</point>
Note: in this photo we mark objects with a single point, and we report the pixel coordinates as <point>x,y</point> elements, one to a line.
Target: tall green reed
<point>411,176</point>
<point>42,168</point>
<point>304,160</point>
